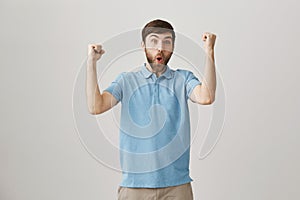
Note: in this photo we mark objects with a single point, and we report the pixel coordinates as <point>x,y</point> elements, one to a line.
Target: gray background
<point>44,43</point>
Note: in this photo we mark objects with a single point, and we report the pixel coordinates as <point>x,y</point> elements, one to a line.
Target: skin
<point>155,45</point>
<point>205,94</point>
<point>158,45</point>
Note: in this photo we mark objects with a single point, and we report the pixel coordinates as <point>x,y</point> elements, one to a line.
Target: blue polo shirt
<point>154,127</point>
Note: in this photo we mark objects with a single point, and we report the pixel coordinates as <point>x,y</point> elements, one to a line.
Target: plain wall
<point>43,46</point>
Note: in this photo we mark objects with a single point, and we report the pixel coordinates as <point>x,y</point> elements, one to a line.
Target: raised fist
<point>95,51</point>
<point>209,41</point>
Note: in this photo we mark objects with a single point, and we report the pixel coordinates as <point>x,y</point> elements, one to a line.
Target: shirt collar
<point>167,74</point>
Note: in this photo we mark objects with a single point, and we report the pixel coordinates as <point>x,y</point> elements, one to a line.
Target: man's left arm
<point>205,93</point>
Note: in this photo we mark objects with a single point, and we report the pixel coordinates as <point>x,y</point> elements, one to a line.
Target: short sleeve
<point>116,87</point>
<point>191,82</point>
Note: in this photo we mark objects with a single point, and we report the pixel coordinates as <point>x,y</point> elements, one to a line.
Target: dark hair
<point>157,26</point>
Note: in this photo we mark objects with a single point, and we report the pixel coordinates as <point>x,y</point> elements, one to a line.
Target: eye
<point>168,42</point>
<point>154,41</point>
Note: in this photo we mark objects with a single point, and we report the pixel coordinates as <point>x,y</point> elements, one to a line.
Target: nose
<point>159,46</point>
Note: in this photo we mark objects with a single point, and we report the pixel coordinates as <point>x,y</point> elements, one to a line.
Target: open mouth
<point>159,59</point>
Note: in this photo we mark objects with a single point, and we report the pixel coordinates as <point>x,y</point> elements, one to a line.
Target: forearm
<point>93,94</point>
<point>209,79</point>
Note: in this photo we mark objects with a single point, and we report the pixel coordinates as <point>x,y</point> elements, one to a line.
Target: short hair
<point>158,26</point>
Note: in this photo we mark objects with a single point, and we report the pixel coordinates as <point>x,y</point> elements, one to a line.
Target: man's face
<point>158,48</point>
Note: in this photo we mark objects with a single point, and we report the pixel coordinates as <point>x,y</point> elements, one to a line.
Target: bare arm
<point>205,93</point>
<point>97,102</point>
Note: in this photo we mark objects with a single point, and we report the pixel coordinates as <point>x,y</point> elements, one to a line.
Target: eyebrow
<point>167,37</point>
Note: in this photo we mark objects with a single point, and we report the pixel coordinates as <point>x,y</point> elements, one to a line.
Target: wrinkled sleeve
<point>116,87</point>
<point>191,82</point>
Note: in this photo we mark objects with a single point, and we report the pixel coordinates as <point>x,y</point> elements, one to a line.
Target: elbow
<point>94,111</point>
<point>95,108</point>
<point>206,97</point>
<point>207,101</point>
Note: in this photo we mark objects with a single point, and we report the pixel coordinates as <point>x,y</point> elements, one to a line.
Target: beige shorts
<point>179,192</point>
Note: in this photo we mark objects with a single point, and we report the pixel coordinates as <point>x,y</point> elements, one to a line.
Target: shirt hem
<point>156,186</point>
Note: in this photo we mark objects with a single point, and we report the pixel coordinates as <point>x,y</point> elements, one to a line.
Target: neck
<point>157,72</point>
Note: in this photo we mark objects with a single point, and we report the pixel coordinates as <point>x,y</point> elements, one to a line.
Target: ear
<point>143,44</point>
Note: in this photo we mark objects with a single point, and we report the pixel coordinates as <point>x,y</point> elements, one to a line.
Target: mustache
<point>159,55</point>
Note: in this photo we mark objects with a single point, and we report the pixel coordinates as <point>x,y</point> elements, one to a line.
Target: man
<point>155,126</point>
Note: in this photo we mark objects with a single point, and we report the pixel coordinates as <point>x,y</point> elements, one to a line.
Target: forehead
<point>166,35</point>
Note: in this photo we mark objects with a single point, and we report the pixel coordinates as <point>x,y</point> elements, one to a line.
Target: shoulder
<point>120,76</point>
<point>183,72</point>
<point>127,76</point>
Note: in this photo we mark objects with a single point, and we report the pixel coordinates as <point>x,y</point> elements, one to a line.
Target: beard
<point>156,64</point>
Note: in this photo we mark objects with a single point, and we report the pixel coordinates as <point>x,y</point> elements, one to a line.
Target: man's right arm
<point>97,102</point>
